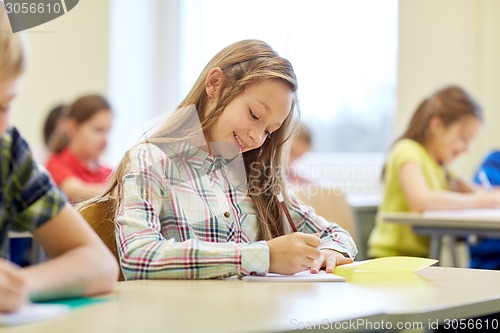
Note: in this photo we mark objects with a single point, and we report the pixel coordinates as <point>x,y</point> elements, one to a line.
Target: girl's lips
<point>239,141</point>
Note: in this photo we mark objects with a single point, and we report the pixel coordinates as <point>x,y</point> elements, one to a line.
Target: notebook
<point>33,312</point>
<point>304,276</point>
<point>389,265</point>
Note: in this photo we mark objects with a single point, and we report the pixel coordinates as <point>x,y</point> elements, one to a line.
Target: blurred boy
<point>29,201</point>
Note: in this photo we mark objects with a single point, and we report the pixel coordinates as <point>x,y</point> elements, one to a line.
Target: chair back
<point>331,204</point>
<point>101,217</point>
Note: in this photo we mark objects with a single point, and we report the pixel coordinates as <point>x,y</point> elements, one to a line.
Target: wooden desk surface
<point>236,306</point>
<point>466,219</point>
<point>364,202</point>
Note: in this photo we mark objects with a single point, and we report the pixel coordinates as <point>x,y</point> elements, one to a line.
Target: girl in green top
<point>415,174</point>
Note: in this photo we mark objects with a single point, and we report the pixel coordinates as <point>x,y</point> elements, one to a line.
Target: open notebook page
<point>33,312</point>
<point>304,276</point>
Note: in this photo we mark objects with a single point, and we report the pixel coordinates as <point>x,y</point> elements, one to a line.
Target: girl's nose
<point>257,138</point>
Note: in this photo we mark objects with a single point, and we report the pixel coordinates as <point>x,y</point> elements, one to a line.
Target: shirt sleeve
<point>149,207</point>
<point>59,169</point>
<point>406,151</point>
<point>32,198</point>
<point>333,236</point>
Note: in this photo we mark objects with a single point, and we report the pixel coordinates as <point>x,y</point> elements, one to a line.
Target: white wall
<point>67,57</point>
<point>143,81</point>
<point>451,41</point>
<point>440,42</point>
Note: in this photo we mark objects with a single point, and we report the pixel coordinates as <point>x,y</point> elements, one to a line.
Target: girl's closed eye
<point>252,115</point>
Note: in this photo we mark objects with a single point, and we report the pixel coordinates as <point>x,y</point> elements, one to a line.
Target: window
<point>344,54</point>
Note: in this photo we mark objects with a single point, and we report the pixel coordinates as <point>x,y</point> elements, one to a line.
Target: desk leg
<point>364,222</point>
<point>435,246</point>
<point>453,251</point>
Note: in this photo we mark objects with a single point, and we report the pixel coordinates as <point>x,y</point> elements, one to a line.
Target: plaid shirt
<point>28,197</point>
<point>180,218</point>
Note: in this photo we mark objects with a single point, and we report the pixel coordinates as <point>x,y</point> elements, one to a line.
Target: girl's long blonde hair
<point>243,63</point>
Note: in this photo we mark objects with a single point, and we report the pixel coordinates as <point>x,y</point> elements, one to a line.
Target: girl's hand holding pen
<point>293,253</point>
<point>13,287</point>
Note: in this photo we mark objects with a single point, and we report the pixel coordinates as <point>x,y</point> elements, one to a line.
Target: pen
<point>483,178</point>
<point>281,200</point>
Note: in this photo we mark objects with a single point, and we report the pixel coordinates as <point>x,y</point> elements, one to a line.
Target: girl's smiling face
<point>253,115</point>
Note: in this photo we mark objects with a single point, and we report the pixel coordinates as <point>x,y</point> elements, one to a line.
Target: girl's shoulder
<point>152,149</point>
<point>146,154</point>
<point>64,156</point>
<point>407,150</point>
<point>407,144</point>
<point>157,154</point>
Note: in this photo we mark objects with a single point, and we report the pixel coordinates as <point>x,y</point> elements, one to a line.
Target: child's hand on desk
<point>328,260</point>
<point>487,199</point>
<point>293,253</point>
<point>13,287</point>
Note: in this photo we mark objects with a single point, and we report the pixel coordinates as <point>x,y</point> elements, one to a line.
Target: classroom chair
<point>101,217</point>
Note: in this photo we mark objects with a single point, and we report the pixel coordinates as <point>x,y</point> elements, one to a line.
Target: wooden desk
<point>364,202</point>
<point>462,223</point>
<point>234,306</point>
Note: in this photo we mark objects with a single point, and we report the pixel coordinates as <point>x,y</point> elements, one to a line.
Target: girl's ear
<point>71,127</point>
<point>435,124</point>
<point>214,81</point>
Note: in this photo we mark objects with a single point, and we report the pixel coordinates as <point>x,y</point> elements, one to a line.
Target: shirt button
<point>227,215</point>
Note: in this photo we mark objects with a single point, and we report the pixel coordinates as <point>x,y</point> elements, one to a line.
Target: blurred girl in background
<point>75,167</point>
<point>416,177</point>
